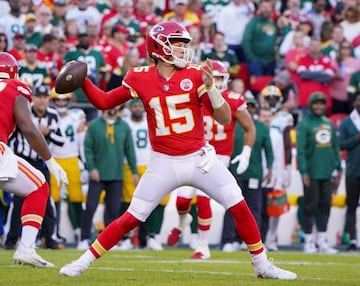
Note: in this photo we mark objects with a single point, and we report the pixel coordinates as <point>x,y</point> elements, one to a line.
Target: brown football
<point>70,77</point>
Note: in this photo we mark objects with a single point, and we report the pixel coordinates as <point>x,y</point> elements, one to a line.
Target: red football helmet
<point>220,74</point>
<point>159,43</point>
<point>8,66</point>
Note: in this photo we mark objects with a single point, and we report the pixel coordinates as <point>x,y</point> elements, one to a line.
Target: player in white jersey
<point>139,129</point>
<point>280,126</point>
<point>73,126</point>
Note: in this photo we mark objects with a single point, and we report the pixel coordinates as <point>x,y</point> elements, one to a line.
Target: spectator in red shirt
<point>316,72</point>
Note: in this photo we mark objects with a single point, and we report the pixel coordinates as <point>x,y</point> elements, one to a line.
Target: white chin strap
<point>179,63</point>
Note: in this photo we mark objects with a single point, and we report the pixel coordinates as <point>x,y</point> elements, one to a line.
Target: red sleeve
<point>105,100</point>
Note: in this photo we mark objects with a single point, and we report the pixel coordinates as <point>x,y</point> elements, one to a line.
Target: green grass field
<point>173,267</point>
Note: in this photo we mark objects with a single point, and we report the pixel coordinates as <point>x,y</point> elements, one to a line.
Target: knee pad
<point>140,208</point>
<point>232,195</point>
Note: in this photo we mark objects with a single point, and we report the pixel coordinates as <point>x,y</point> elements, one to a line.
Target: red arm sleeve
<point>105,100</point>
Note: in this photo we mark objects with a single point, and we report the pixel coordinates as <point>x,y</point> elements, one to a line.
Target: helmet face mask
<point>221,75</point>
<point>161,44</point>
<point>272,98</point>
<point>61,102</point>
<point>8,66</point>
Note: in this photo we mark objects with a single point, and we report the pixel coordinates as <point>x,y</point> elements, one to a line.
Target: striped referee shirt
<point>51,119</point>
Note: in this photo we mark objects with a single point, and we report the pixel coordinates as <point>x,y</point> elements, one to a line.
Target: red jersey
<point>173,107</point>
<point>9,90</point>
<point>114,55</point>
<point>220,136</point>
<point>307,87</point>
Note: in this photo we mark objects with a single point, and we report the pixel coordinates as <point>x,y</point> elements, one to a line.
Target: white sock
<point>308,237</point>
<point>28,236</point>
<point>183,222</point>
<point>203,234</point>
<point>321,238</point>
<point>260,261</point>
<point>87,258</point>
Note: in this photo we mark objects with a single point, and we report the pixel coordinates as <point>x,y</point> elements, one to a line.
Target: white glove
<point>243,159</point>
<point>57,171</point>
<point>287,176</point>
<point>208,160</point>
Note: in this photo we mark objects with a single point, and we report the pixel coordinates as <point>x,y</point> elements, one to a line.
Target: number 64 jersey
<point>173,107</point>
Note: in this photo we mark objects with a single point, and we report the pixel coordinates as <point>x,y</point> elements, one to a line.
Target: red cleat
<point>200,255</point>
<point>174,236</point>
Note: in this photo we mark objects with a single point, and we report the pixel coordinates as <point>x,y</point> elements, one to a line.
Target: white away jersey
<point>69,126</point>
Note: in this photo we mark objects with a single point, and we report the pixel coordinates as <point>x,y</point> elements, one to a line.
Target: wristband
<point>51,161</point>
<point>215,97</point>
<point>246,151</point>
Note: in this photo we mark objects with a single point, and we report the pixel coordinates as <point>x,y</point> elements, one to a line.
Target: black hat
<point>42,90</point>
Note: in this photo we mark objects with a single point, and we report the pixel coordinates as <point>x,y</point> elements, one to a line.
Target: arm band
<point>246,151</point>
<point>215,97</point>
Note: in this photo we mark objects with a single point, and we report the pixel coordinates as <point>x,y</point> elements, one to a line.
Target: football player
<point>280,126</point>
<point>173,92</point>
<point>73,125</point>
<point>222,138</point>
<point>17,175</point>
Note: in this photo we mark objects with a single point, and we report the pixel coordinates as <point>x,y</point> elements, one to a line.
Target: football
<point>70,77</point>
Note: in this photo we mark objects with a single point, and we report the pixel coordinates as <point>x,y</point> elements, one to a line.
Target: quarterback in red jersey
<point>222,138</point>
<point>173,93</point>
<point>16,175</point>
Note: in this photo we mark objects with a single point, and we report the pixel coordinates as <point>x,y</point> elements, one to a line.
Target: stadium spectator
<point>259,42</point>
<point>58,15</point>
<point>143,13</point>
<point>96,69</point>
<point>332,46</point>
<point>207,32</point>
<point>82,12</point>
<point>31,35</point>
<point>220,52</point>
<point>213,8</point>
<point>47,54</point>
<point>43,18</point>
<point>127,18</point>
<point>3,42</point>
<point>18,48</point>
<point>351,23</point>
<point>316,72</point>
<point>13,22</point>
<point>182,14</point>
<point>354,84</point>
<point>239,12</point>
<point>317,15</point>
<point>33,71</point>
<point>71,34</point>
<point>344,66</point>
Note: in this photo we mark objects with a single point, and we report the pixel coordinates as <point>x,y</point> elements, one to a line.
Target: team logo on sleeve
<point>186,84</point>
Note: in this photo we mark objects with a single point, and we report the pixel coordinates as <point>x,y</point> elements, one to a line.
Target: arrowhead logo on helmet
<point>8,66</point>
<point>160,44</point>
